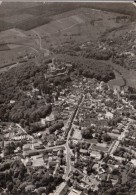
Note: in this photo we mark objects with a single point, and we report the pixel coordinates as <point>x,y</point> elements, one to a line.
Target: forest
<point>90,68</point>
<point>26,96</point>
<point>15,177</point>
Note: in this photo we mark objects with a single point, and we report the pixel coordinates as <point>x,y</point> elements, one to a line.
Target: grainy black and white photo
<point>67,98</point>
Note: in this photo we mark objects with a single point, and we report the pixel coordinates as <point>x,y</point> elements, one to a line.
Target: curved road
<point>47,52</point>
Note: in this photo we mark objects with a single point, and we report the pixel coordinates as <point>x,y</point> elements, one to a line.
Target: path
<point>19,32</point>
<point>47,52</point>
<point>26,46</point>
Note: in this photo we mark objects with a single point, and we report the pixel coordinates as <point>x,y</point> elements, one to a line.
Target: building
<point>116,89</point>
<point>96,155</point>
<point>27,147</point>
<point>62,189</point>
<point>83,151</point>
<point>76,192</point>
<point>109,115</point>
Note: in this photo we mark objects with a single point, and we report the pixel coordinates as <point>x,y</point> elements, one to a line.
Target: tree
<point>106,137</point>
<point>56,126</point>
<point>87,133</point>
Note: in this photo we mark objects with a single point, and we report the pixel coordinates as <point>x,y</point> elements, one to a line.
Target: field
<point>129,75</point>
<point>80,21</point>
<point>15,19</point>
<point>68,23</point>
<point>12,56</point>
<point>26,13</point>
<point>12,36</point>
<point>78,26</point>
<point>77,134</point>
<point>99,148</point>
<point>117,81</point>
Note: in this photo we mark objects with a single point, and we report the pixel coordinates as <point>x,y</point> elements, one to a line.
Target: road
<point>18,125</point>
<point>47,52</point>
<point>114,147</point>
<point>68,151</point>
<point>117,142</point>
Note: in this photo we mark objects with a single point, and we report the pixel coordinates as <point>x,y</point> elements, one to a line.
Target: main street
<point>68,151</point>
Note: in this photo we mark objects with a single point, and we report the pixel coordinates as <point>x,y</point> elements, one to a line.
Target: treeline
<point>97,54</point>
<point>89,67</point>
<point>90,61</point>
<point>122,8</point>
<point>93,50</point>
<point>55,126</point>
<point>4,25</point>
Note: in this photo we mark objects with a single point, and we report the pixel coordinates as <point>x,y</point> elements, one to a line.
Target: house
<point>60,142</point>
<point>29,163</point>
<point>38,146</point>
<point>38,160</point>
<point>12,101</point>
<point>114,179</point>
<point>30,153</point>
<point>27,147</point>
<point>116,131</point>
<point>102,176</point>
<point>18,149</point>
<point>96,155</point>
<point>113,135</point>
<point>116,89</point>
<point>95,167</point>
<point>83,151</point>
<point>52,163</point>
<point>50,118</point>
<point>108,115</point>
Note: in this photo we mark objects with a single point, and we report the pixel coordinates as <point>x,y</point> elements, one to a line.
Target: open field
<point>15,19</point>
<point>22,13</point>
<point>12,36</point>
<point>77,134</point>
<point>129,75</point>
<point>78,25</point>
<point>117,81</point>
<point>12,56</point>
<point>99,148</point>
<point>30,14</point>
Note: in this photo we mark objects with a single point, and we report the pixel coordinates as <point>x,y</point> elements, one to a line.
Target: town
<point>94,143</point>
<point>67,98</point>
